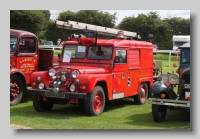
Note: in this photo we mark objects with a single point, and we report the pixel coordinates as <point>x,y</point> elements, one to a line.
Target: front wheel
<point>95,102</point>
<point>159,112</point>
<point>16,89</point>
<point>40,105</point>
<point>141,98</point>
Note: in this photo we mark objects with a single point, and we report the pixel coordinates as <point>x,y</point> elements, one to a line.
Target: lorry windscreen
<point>185,54</point>
<point>13,43</point>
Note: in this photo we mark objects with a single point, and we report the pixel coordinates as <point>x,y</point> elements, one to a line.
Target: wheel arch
<point>104,87</point>
<point>20,75</point>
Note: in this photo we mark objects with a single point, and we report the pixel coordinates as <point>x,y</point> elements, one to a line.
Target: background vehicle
<point>25,58</point>
<point>164,96</point>
<point>93,70</point>
<point>49,43</point>
<point>155,47</point>
<point>179,40</point>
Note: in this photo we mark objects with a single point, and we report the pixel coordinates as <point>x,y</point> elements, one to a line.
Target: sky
<point>125,13</point>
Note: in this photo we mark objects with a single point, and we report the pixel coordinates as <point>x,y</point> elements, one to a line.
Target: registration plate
<point>187,94</point>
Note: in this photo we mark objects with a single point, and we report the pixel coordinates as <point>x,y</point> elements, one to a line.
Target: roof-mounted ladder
<point>73,25</point>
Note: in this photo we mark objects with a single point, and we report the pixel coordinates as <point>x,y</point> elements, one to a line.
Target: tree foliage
<point>29,20</point>
<point>162,29</point>
<point>39,22</point>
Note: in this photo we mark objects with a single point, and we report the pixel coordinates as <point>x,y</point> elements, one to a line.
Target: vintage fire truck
<point>94,70</point>
<point>25,58</point>
<point>163,94</point>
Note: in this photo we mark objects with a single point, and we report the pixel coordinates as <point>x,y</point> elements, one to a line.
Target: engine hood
<point>87,69</point>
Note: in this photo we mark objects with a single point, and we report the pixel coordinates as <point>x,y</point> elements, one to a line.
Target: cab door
<point>27,56</point>
<point>121,80</point>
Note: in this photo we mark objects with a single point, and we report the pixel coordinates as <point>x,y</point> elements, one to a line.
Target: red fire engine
<point>92,70</point>
<point>25,58</point>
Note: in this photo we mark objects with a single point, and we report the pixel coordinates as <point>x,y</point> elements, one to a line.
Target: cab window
<point>27,46</point>
<point>121,56</point>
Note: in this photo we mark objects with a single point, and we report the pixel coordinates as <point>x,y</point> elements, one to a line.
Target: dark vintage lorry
<point>163,94</point>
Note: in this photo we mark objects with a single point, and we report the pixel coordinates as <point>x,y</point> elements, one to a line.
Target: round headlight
<point>72,88</point>
<point>52,72</point>
<point>75,73</point>
<point>173,79</point>
<point>41,86</point>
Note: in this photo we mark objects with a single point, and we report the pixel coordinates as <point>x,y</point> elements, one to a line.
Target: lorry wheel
<point>16,89</point>
<point>40,105</point>
<point>142,94</point>
<point>159,112</point>
<point>95,102</point>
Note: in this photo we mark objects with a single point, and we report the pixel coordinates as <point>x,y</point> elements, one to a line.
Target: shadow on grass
<point>174,120</point>
<point>26,109</point>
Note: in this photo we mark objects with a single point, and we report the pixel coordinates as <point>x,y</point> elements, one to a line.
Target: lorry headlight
<point>52,72</point>
<point>75,73</point>
<point>173,79</point>
<point>41,86</point>
<point>72,88</point>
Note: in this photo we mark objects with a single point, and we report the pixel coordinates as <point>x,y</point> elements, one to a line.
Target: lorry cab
<point>24,52</point>
<point>25,58</point>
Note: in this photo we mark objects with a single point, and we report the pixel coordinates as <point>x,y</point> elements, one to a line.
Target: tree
<point>29,20</point>
<point>94,17</point>
<point>178,26</point>
<point>162,29</point>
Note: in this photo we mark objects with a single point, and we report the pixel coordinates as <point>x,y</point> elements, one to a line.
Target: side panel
<point>27,65</point>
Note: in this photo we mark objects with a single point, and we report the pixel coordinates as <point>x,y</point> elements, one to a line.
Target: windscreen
<point>100,52</point>
<point>73,51</point>
<point>13,43</point>
<point>185,56</point>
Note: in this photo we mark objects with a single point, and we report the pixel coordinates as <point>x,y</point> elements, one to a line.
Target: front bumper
<point>66,95</point>
<point>170,102</point>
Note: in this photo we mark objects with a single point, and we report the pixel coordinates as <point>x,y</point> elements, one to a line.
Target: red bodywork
<point>26,58</point>
<point>118,80</point>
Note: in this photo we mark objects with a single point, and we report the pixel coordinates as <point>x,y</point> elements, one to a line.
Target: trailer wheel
<point>159,112</point>
<point>40,105</point>
<point>142,94</point>
<point>16,89</point>
<point>95,102</point>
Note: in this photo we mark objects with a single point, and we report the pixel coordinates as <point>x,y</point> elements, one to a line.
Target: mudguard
<point>160,86</point>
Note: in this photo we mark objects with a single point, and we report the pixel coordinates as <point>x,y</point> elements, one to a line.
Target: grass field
<point>118,114</point>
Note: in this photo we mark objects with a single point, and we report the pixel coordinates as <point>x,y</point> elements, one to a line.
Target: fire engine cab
<point>94,70</point>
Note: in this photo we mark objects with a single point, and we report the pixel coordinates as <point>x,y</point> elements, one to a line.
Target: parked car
<point>155,47</point>
<point>49,43</point>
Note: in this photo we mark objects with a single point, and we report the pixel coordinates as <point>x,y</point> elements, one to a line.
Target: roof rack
<point>73,25</point>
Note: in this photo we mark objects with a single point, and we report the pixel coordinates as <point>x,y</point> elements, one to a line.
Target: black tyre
<point>16,89</point>
<point>142,96</point>
<point>40,105</point>
<point>159,112</point>
<point>95,102</point>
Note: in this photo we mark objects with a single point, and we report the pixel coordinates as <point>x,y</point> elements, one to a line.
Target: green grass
<point>118,114</point>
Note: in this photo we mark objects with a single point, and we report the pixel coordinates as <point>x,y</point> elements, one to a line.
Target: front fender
<point>90,81</point>
<point>15,70</point>
<point>159,87</point>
